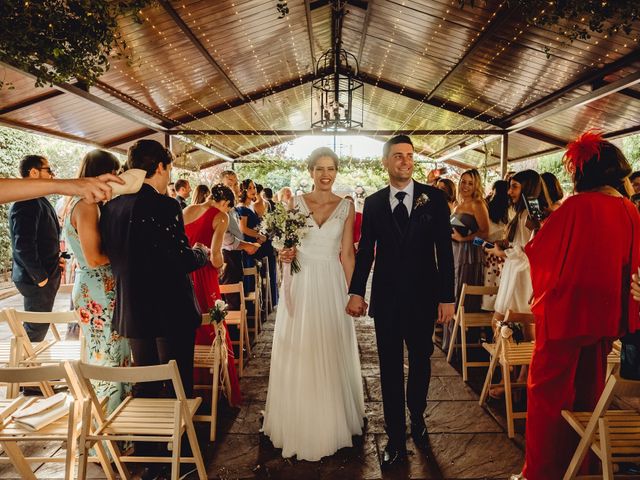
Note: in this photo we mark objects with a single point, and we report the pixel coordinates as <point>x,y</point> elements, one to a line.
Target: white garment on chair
<point>315,402</point>
<point>515,280</point>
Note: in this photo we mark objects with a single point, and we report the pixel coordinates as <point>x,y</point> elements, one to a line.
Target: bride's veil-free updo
<point>220,192</point>
<point>320,152</point>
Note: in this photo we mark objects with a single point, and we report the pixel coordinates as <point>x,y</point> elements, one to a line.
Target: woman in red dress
<point>581,264</point>
<point>206,223</point>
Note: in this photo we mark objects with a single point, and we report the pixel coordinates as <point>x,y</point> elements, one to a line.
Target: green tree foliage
<point>14,144</point>
<point>60,40</point>
<point>276,173</point>
<point>64,158</point>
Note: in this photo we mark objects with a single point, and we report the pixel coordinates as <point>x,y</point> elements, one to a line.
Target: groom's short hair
<point>394,141</point>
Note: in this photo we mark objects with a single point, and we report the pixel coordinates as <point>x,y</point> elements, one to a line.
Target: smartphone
<point>479,242</point>
<point>533,208</point>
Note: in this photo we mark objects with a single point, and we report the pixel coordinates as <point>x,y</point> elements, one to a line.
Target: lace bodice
<point>323,242</point>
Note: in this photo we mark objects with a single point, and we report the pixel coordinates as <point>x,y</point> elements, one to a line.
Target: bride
<point>315,402</point>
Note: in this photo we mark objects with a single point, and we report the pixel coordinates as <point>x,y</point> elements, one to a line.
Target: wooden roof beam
<point>30,101</point>
<point>27,127</point>
<point>218,108</point>
<point>587,79</point>
<point>499,18</point>
<point>381,133</point>
<point>312,49</point>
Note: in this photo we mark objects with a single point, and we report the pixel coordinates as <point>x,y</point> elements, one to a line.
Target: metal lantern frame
<point>337,96</point>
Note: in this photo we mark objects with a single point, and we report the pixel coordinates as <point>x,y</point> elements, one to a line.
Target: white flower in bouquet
<point>286,229</point>
<point>506,332</point>
<point>220,305</point>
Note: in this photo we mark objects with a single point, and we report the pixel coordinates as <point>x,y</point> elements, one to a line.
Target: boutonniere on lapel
<point>423,199</point>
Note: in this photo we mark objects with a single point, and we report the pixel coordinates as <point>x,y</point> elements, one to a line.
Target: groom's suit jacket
<point>413,269</point>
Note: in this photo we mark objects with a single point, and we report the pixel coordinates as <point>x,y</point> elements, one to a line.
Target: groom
<point>405,226</point>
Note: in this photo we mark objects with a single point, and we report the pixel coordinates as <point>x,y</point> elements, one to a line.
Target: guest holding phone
<point>470,219</point>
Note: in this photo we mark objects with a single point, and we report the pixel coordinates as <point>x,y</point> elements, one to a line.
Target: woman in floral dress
<point>94,287</point>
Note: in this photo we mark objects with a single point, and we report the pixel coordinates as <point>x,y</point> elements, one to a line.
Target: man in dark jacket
<point>35,240</point>
<point>143,235</point>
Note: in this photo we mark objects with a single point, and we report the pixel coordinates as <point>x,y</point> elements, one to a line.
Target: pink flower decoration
<point>95,308</point>
<point>85,316</point>
<point>98,323</point>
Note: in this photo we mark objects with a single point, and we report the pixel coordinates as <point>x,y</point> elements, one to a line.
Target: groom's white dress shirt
<point>408,198</point>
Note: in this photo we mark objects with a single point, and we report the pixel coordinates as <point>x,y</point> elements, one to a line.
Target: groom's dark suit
<point>413,273</point>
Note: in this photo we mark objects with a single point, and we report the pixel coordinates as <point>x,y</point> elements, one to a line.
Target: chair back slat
<point>478,290</point>
<point>153,373</point>
<point>47,317</point>
<point>32,374</point>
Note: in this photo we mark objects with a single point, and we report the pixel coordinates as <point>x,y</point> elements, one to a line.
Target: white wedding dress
<point>315,402</point>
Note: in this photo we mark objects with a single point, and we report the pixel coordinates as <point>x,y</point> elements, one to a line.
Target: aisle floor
<point>467,441</point>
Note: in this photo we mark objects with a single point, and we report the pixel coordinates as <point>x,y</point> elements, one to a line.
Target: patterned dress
<point>94,296</point>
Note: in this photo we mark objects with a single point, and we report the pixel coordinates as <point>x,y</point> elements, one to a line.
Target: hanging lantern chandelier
<point>337,95</point>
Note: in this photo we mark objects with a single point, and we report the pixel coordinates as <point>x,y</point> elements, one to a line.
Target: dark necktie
<point>400,213</point>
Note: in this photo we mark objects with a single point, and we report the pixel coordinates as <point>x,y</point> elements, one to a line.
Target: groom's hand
<point>356,307</point>
<point>445,312</point>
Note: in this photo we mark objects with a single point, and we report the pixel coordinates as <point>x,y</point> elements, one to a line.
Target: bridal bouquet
<point>285,228</point>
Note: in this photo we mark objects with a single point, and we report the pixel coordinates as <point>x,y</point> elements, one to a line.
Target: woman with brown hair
<point>94,288</point>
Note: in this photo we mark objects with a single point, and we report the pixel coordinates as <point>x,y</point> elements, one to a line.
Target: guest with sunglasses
<point>35,241</point>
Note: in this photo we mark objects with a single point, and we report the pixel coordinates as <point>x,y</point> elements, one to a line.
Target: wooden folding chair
<point>613,359</point>
<point>64,429</point>
<point>49,351</point>
<point>613,435</point>
<point>508,353</point>
<point>160,420</point>
<point>238,318</point>
<point>266,286</point>
<point>211,358</point>
<point>465,320</point>
<point>255,297</point>
<point>8,354</point>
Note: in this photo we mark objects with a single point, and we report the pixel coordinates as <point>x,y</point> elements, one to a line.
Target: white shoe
<point>517,476</point>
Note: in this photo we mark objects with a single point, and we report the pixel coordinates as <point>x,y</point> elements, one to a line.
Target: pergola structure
<point>220,80</point>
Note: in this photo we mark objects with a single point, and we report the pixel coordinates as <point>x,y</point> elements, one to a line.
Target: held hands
<point>356,307</point>
<point>446,312</point>
<point>287,255</point>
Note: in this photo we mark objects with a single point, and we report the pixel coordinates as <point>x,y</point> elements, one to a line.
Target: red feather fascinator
<point>582,150</point>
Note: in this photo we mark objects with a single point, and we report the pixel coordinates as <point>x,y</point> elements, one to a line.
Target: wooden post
<point>504,155</point>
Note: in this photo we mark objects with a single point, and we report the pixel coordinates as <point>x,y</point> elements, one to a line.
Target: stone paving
<point>467,441</point>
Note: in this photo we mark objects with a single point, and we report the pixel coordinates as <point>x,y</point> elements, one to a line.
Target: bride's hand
<point>287,255</point>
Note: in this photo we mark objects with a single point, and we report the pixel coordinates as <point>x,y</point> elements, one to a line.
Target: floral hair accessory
<point>582,150</point>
